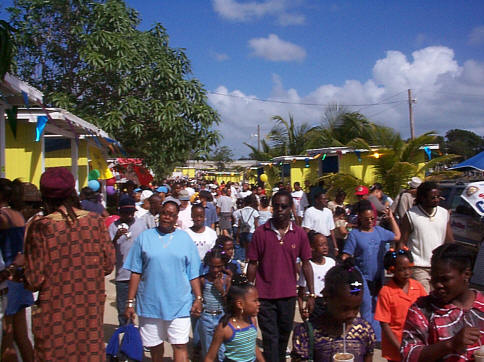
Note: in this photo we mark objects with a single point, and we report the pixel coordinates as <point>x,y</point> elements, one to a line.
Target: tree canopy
<point>89,57</point>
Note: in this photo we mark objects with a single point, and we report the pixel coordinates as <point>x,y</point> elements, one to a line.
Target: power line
<point>301,103</point>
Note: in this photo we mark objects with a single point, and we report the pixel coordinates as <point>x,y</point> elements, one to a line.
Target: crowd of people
<point>220,261</point>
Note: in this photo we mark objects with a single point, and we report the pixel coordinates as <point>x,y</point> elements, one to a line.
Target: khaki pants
<point>422,275</point>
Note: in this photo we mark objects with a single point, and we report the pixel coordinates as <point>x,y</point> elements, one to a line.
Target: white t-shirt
<point>185,218</point>
<point>204,241</point>
<point>319,272</point>
<point>248,214</point>
<point>320,221</point>
<point>300,201</point>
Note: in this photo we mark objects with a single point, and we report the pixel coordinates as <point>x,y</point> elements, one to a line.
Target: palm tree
<point>288,139</point>
<point>339,127</point>
<point>400,160</point>
<point>265,154</point>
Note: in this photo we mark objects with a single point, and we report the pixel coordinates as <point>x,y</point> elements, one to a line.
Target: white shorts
<point>155,331</point>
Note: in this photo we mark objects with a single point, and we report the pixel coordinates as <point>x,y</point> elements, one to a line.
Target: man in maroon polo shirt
<point>272,265</point>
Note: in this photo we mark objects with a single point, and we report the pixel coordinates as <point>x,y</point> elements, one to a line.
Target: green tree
<point>89,57</point>
<point>401,160</point>
<point>464,143</point>
<point>222,155</point>
<point>286,138</point>
<point>6,48</point>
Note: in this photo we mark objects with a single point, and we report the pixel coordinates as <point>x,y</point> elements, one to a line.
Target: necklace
<point>164,242</point>
<point>237,325</point>
<point>431,215</point>
<point>285,232</point>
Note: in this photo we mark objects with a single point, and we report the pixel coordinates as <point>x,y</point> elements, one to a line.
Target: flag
<point>39,128</point>
<point>144,176</point>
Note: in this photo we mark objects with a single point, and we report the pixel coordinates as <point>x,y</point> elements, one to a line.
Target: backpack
<point>244,226</point>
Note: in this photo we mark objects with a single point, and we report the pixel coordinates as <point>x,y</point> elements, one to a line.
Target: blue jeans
<point>121,298</point>
<point>244,241</point>
<point>367,310</point>
<point>207,324</point>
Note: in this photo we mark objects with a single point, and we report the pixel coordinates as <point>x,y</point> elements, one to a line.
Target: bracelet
<point>130,305</point>
<point>199,297</point>
<point>312,295</point>
<point>130,300</point>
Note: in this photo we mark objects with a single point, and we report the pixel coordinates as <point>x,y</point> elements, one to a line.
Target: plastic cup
<point>344,357</point>
<point>479,354</point>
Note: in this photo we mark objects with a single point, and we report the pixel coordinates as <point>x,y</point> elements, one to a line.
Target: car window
<point>463,208</point>
<point>456,199</point>
<point>445,194</point>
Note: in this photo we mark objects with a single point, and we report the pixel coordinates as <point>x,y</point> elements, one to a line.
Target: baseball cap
<point>146,194</point>
<point>161,189</point>
<point>414,182</point>
<point>183,195</point>
<point>361,190</point>
<point>171,199</point>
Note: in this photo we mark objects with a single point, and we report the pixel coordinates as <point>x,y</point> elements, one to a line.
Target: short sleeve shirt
<point>392,307</point>
<point>210,214</point>
<point>319,272</point>
<point>225,203</point>
<point>319,220</point>
<point>368,249</point>
<point>167,263</point>
<point>123,245</point>
<point>276,269</point>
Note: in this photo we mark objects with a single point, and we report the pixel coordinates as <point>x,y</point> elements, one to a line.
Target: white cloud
<point>476,37</point>
<point>237,11</point>
<point>275,49</point>
<point>220,57</point>
<point>449,95</point>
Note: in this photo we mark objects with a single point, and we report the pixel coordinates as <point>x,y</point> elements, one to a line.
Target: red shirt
<point>427,323</point>
<point>392,307</point>
<point>276,275</point>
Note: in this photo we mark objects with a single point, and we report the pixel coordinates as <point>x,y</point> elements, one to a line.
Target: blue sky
<point>324,52</point>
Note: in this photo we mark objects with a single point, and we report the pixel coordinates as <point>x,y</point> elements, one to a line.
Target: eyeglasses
<point>282,206</point>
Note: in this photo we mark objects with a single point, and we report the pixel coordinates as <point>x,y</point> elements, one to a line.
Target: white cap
<point>146,194</point>
<point>414,182</point>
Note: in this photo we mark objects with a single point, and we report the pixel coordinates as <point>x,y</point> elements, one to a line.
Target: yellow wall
<point>23,155</point>
<point>299,172</point>
<point>363,170</point>
<point>62,158</point>
<point>185,171</point>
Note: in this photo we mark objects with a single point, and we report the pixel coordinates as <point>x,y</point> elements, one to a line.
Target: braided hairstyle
<point>391,256</point>
<point>456,255</point>
<point>215,253</point>
<point>238,290</point>
<point>221,240</point>
<point>342,275</point>
<point>312,236</point>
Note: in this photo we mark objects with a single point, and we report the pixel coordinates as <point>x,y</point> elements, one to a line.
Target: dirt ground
<point>111,321</point>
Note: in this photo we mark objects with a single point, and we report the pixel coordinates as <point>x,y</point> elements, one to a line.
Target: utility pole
<point>258,138</point>
<point>410,114</point>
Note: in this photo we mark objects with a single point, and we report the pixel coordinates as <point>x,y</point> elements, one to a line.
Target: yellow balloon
<point>263,177</point>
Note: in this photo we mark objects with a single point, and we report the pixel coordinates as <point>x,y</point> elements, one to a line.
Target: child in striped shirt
<point>237,329</point>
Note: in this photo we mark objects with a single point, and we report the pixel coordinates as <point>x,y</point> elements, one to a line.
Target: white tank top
<point>427,233</point>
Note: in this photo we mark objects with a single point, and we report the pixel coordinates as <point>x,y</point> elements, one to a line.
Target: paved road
<point>111,321</point>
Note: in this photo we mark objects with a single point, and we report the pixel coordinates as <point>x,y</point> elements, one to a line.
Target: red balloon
<point>111,182</point>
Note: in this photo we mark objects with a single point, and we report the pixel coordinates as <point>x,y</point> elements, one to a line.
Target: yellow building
<point>322,161</point>
<point>66,140</point>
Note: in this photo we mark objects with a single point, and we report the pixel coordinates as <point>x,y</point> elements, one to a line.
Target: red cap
<point>57,183</point>
<point>361,190</point>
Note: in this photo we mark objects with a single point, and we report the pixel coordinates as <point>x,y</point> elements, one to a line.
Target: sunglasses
<point>282,206</point>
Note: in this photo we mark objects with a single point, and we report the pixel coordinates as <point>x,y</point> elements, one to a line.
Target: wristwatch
<point>199,297</point>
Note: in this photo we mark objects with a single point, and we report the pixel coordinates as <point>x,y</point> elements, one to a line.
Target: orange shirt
<point>392,307</point>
